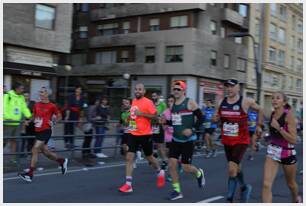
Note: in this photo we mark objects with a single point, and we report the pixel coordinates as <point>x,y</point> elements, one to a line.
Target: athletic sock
<point>232,184</point>
<point>60,160</point>
<point>241,179</point>
<point>128,180</point>
<point>160,172</point>
<point>199,174</point>
<point>176,187</point>
<point>31,171</point>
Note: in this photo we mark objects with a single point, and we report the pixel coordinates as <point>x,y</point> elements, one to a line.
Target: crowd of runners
<point>171,128</point>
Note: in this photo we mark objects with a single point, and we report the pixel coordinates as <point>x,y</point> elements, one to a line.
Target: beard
<point>138,96</point>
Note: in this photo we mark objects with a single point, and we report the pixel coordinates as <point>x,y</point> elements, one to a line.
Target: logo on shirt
<point>133,109</point>
<point>236,107</point>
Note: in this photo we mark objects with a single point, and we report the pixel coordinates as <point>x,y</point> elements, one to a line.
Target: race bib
<point>252,124</point>
<point>155,129</point>
<point>207,124</point>
<point>132,125</point>
<point>38,122</point>
<point>230,129</point>
<point>176,119</point>
<point>274,152</point>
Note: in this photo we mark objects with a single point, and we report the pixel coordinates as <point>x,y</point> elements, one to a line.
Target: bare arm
<point>216,117</point>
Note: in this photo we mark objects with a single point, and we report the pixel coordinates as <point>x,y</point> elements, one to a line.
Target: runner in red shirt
<point>43,113</point>
<point>142,111</point>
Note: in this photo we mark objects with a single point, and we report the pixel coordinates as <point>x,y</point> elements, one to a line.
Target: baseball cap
<point>231,82</point>
<point>181,84</point>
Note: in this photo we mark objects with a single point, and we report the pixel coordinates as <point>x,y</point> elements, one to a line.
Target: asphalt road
<point>100,184</point>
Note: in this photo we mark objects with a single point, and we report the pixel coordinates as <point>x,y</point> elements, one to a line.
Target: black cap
<point>231,82</point>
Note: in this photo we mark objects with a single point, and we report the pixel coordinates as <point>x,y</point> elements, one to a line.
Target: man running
<point>183,112</point>
<point>210,128</point>
<point>142,111</point>
<point>232,111</point>
<point>158,132</point>
<point>42,113</point>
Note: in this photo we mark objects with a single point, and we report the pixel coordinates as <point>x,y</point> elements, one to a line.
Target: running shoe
<point>209,154</point>
<point>161,180</point>
<point>245,193</point>
<point>126,188</point>
<point>26,177</point>
<point>64,166</point>
<point>299,199</point>
<point>201,179</point>
<point>214,153</point>
<point>175,195</point>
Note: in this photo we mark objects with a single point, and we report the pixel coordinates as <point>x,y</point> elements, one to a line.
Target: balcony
<point>235,18</point>
<point>140,9</point>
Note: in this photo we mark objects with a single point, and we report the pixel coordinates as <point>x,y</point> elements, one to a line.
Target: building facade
<point>279,29</point>
<point>35,39</point>
<point>156,44</point>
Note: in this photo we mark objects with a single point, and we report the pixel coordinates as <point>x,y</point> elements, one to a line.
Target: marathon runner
<point>252,121</point>
<point>142,111</point>
<point>183,112</point>
<point>42,113</point>
<point>281,150</point>
<point>232,111</point>
<point>158,132</point>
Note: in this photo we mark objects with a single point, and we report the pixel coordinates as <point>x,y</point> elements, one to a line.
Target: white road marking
<point>211,199</point>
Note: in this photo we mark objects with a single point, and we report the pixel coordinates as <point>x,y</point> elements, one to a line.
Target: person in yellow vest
<point>14,109</point>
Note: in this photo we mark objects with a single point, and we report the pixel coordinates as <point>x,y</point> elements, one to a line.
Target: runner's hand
<point>258,131</point>
<point>187,132</point>
<point>138,113</point>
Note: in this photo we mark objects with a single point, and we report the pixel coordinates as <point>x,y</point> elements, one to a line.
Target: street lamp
<point>67,68</point>
<point>257,69</point>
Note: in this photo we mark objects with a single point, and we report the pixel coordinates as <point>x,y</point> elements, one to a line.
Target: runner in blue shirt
<point>252,121</point>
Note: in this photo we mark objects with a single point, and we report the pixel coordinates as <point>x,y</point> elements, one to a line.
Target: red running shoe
<point>161,180</point>
<point>126,188</point>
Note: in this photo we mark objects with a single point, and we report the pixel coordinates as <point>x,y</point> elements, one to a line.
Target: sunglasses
<point>177,89</point>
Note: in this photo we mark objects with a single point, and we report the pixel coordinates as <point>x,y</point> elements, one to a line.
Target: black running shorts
<point>209,131</point>
<point>234,153</point>
<point>124,138</point>
<point>185,149</point>
<point>145,141</point>
<point>44,135</point>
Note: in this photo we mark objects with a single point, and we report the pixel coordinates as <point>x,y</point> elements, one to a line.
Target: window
<point>174,54</point>
<point>226,63</point>
<point>300,26</point>
<point>273,32</point>
<point>238,40</point>
<point>290,83</point>
<point>126,27</point>
<point>291,62</point>
<point>299,65</point>
<point>292,43</point>
<point>222,32</point>
<point>83,32</point>
<point>299,84</point>
<point>243,10</point>
<point>272,54</point>
<point>241,64</point>
<point>124,56</point>
<point>213,27</point>
<point>213,58</point>
<point>283,12</point>
<point>84,7</point>
<point>282,35</point>
<point>273,9</point>
<point>281,57</point>
<point>106,57</point>
<point>258,7</point>
<point>293,23</point>
<point>178,21</point>
<point>154,25</point>
<point>108,29</point>
<point>300,45</point>
<point>44,16</point>
<point>150,54</point>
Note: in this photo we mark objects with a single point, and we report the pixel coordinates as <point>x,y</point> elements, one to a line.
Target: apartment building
<point>281,49</point>
<point>35,37</point>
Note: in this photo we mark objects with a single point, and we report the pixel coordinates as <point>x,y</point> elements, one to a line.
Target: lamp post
<point>257,69</point>
<point>126,76</point>
<point>67,69</point>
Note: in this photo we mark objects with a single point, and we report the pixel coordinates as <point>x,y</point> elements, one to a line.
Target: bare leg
<point>172,170</point>
<point>270,171</point>
<point>290,174</point>
<point>129,163</point>
<point>35,150</point>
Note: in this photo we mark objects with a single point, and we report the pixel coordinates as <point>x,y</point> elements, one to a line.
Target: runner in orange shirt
<point>142,111</point>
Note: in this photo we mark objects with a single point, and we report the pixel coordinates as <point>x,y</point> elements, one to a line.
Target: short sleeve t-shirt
<point>142,124</point>
<point>43,113</point>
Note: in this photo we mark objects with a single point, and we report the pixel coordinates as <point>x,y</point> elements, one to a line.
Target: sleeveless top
<point>182,118</point>
<point>276,137</point>
<point>234,123</point>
